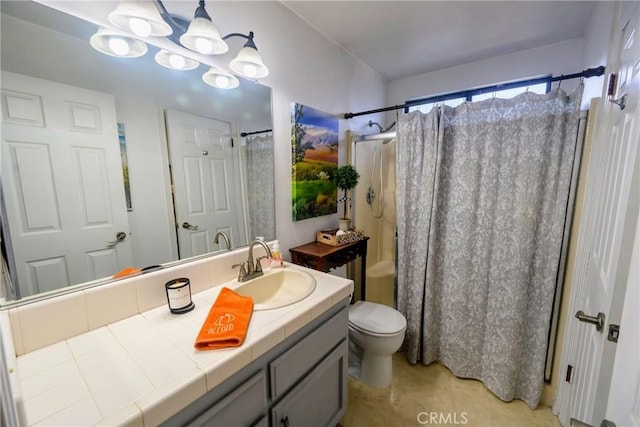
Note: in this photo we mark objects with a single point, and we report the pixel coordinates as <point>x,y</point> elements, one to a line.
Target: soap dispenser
<point>276,255</point>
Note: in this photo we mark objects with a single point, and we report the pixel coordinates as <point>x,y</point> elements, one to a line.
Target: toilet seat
<point>376,319</point>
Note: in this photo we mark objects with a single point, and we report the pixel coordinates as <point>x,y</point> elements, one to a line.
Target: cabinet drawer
<point>321,398</point>
<point>242,407</point>
<point>287,369</point>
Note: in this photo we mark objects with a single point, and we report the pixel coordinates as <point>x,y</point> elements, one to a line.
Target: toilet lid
<point>376,318</point>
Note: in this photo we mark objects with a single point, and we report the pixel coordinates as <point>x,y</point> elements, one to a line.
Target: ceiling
<point>404,38</point>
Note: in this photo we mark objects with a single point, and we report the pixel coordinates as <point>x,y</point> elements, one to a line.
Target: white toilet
<point>376,331</point>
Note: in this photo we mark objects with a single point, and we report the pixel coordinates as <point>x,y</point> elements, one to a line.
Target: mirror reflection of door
<point>204,181</point>
<point>62,184</point>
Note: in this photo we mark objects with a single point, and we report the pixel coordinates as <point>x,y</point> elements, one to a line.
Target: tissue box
<point>332,238</point>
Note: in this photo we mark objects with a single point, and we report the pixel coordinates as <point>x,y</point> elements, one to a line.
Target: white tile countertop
<point>143,369</point>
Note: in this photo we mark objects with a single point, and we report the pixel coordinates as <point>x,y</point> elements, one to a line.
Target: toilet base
<point>376,332</point>
<point>375,371</point>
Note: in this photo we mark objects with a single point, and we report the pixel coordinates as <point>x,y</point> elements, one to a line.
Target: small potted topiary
<point>345,178</point>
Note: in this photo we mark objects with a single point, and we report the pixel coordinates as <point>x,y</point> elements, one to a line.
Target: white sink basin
<point>277,288</point>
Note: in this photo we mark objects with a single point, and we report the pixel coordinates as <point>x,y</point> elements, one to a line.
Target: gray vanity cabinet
<point>320,398</point>
<point>300,382</point>
<point>243,406</point>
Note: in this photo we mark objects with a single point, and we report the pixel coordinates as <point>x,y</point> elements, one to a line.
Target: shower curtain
<point>258,155</point>
<point>482,197</point>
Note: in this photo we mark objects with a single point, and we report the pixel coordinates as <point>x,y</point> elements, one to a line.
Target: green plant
<point>345,178</point>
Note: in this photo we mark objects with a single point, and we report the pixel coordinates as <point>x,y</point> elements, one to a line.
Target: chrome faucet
<point>252,270</point>
<point>225,237</point>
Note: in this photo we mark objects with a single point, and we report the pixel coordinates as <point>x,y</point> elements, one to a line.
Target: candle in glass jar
<point>179,295</point>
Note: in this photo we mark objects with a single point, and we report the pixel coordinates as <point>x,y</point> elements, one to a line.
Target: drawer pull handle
<point>285,421</point>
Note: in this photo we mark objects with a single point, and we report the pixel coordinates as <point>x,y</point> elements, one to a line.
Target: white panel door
<point>624,394</point>
<point>606,243</point>
<point>204,183</point>
<point>62,183</point>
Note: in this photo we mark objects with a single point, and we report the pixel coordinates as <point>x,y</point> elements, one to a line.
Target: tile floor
<point>435,395</point>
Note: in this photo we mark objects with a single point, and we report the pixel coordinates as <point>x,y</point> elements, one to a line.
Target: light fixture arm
<point>249,39</point>
<point>177,24</point>
<point>180,25</point>
<point>172,20</point>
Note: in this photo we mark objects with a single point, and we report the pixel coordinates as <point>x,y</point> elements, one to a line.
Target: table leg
<point>363,271</point>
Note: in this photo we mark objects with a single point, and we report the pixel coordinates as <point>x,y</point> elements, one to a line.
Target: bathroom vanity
<point>301,381</point>
<point>140,368</point>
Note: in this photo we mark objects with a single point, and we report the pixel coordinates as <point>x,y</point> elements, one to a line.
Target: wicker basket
<point>331,237</point>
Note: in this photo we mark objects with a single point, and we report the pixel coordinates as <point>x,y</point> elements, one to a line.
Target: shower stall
<point>374,209</point>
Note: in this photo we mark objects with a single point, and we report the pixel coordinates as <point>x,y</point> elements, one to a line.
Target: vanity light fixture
<point>248,63</point>
<point>116,43</point>
<point>217,77</point>
<point>202,36</point>
<point>175,61</point>
<point>140,17</point>
<point>149,18</point>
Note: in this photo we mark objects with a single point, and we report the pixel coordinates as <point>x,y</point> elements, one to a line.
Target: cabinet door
<point>243,407</point>
<point>320,399</point>
<point>263,422</point>
<point>287,369</point>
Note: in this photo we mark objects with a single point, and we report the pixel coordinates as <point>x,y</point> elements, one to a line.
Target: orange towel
<point>227,322</point>
<point>126,272</point>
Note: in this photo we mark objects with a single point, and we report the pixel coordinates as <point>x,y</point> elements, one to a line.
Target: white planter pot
<point>345,224</point>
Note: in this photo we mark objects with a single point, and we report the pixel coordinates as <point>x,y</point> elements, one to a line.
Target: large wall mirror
<point>111,163</point>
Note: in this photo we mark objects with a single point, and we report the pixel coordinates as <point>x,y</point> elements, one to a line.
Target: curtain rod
<point>243,134</point>
<point>590,72</point>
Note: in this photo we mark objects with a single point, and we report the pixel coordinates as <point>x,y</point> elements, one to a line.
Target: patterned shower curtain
<point>260,186</point>
<point>482,198</point>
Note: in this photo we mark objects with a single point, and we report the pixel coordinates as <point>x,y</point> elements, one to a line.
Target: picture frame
<point>314,158</point>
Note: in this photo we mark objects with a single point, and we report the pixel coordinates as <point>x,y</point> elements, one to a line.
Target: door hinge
<point>231,142</point>
<point>611,88</point>
<point>614,332</point>
<point>567,377</point>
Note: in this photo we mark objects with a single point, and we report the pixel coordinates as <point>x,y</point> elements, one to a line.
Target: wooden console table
<point>320,256</point>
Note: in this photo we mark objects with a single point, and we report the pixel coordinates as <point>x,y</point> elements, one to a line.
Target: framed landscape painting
<point>314,157</point>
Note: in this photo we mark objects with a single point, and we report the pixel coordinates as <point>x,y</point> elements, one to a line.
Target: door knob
<point>120,236</point>
<point>188,226</point>
<point>594,320</point>
<point>621,102</point>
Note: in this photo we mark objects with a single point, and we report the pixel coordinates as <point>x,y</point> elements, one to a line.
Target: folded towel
<point>126,272</point>
<point>227,322</point>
